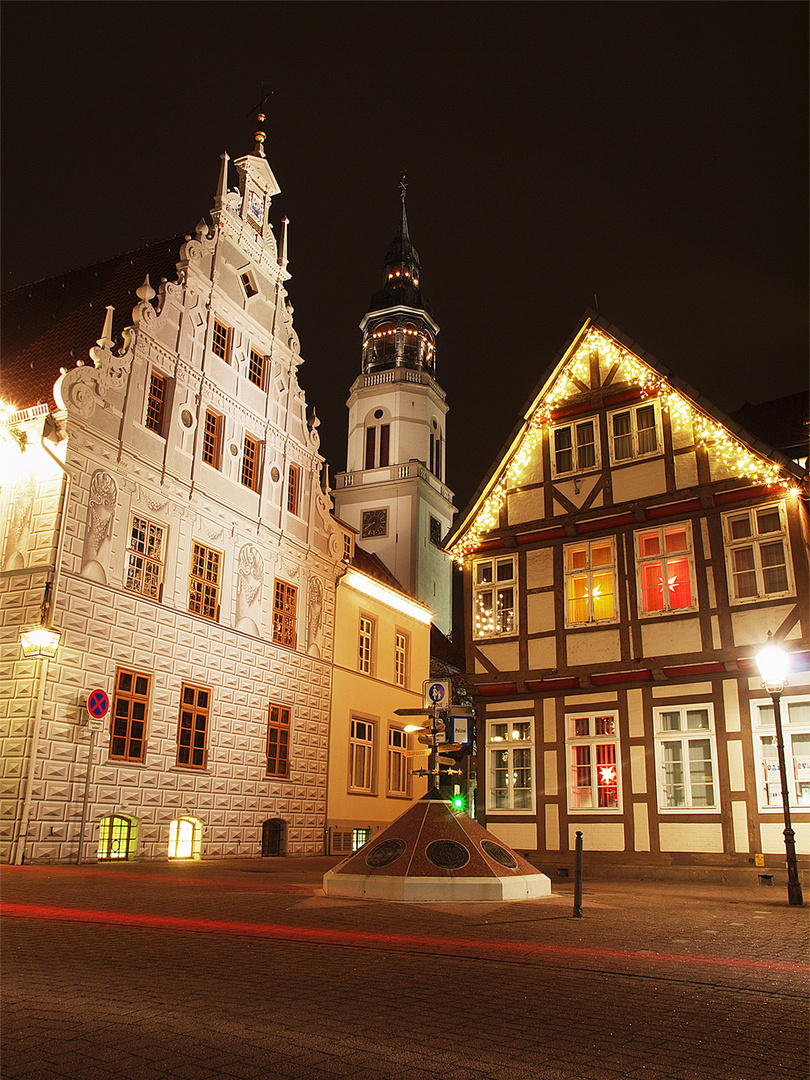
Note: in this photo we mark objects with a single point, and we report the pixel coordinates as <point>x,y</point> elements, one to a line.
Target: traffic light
<point>458,802</point>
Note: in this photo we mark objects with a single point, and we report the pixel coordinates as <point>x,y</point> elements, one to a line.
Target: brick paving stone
<point>238,1006</point>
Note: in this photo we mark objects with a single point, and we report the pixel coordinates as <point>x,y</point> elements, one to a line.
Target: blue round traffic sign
<point>436,692</point>
<point>98,703</point>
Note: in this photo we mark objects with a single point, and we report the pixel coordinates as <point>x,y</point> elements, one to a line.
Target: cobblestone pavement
<point>244,969</point>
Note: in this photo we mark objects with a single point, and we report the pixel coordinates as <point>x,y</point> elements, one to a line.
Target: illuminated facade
<point>627,557</point>
<point>393,491</point>
<point>381,658</point>
<point>168,518</point>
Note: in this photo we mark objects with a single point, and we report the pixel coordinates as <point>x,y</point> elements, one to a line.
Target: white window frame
<point>576,448</point>
<point>514,738</point>
<point>497,623</point>
<point>684,736</point>
<point>662,558</point>
<point>596,737</point>
<point>362,754</point>
<point>797,767</point>
<point>633,434</point>
<point>402,652</point>
<point>399,779</point>
<point>144,558</point>
<point>588,570</point>
<point>365,644</point>
<point>756,541</point>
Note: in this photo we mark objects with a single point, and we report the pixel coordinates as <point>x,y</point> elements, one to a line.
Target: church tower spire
<point>393,490</point>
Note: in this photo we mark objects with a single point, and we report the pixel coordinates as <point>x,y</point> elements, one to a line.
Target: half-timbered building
<point>624,561</point>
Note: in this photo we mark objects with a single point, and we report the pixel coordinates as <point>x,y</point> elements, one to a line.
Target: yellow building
<point>381,658</point>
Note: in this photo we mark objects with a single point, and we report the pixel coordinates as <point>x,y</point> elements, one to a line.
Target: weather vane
<point>402,185</point>
<point>259,106</point>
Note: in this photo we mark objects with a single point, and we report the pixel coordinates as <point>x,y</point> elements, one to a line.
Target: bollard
<point>578,880</point>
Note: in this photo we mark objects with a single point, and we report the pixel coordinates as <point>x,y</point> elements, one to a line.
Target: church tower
<point>393,490</point>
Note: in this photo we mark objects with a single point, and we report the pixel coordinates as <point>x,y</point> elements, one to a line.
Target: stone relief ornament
<point>250,577</point>
<point>100,519</point>
<point>19,526</point>
<point>313,423</point>
<point>314,613</point>
<point>82,388</point>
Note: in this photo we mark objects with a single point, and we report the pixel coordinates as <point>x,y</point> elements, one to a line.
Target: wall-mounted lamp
<point>39,641</point>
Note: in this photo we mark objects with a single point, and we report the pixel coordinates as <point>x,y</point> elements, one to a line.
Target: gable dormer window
<point>634,432</point>
<point>221,340</point>
<point>248,284</point>
<point>574,448</point>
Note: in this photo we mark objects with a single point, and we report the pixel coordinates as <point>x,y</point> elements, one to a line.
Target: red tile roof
<point>53,323</point>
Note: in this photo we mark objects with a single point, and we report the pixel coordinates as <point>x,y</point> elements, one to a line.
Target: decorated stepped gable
<point>163,513</point>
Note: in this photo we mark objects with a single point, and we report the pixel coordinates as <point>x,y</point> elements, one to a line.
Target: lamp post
<point>773,665</point>
<point>40,643</point>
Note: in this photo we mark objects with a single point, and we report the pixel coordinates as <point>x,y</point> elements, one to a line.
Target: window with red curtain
<point>665,568</point>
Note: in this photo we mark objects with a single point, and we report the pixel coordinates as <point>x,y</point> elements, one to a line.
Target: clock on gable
<point>375,523</point>
<point>255,208</point>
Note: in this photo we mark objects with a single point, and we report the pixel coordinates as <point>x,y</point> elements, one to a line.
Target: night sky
<point>649,158</point>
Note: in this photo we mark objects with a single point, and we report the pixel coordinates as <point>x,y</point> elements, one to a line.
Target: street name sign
<point>413,712</point>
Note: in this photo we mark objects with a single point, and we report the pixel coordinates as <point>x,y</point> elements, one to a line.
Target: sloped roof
<point>371,564</point>
<point>53,323</point>
<point>592,319</point>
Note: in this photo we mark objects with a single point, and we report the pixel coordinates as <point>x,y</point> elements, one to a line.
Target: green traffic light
<point>458,802</point>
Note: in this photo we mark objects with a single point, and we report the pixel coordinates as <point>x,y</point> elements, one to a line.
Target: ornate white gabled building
<point>393,489</point>
<point>167,518</point>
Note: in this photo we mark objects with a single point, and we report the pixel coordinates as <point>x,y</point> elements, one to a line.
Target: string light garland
<point>728,451</point>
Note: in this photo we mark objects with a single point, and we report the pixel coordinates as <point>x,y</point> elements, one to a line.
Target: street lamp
<point>773,666</point>
<point>38,643</point>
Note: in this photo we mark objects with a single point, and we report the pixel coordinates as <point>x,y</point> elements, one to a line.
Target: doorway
<point>274,837</point>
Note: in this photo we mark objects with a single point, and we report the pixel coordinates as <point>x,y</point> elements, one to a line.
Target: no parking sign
<point>97,705</point>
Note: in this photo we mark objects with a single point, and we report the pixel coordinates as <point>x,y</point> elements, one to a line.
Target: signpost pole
<point>433,760</point>
<point>86,794</point>
<point>97,705</point>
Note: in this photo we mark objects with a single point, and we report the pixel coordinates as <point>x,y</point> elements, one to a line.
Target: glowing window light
<point>708,433</point>
<point>184,838</point>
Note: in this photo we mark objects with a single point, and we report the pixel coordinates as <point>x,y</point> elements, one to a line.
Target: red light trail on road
<point>373,939</point>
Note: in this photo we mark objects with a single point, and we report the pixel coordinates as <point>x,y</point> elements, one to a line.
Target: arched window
<point>185,838</point>
<point>384,344</point>
<point>274,837</point>
<point>117,838</point>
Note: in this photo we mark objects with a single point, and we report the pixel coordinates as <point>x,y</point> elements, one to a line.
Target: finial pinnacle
<point>402,185</point>
<point>258,108</point>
